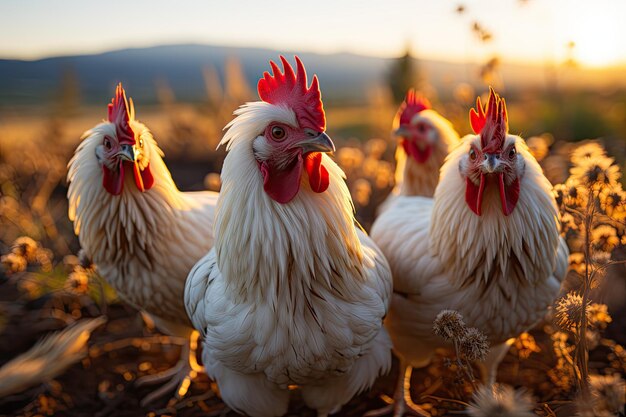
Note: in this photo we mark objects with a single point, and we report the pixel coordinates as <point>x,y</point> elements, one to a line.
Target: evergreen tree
<point>403,75</point>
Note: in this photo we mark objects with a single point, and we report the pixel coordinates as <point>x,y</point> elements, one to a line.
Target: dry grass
<point>43,287</point>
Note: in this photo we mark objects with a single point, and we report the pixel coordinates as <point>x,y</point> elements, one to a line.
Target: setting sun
<point>597,35</point>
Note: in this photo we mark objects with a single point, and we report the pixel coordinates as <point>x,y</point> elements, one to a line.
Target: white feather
<point>500,272</point>
<point>143,244</point>
<point>292,293</point>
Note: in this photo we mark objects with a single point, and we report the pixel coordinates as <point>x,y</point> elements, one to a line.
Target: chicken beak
<point>401,132</point>
<point>320,143</point>
<point>491,163</point>
<point>127,153</point>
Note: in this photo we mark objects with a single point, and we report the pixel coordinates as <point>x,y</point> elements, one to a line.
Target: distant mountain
<point>343,76</point>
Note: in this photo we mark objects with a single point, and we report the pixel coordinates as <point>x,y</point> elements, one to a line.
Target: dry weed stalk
<point>593,207</point>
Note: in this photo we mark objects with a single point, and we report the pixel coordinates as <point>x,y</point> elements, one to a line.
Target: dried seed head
<point>501,401</point>
<point>449,324</point>
<point>596,173</point>
<point>13,263</point>
<point>474,345</point>
<point>591,150</point>
<point>604,238</point>
<point>572,194</point>
<point>613,201</point>
<point>569,311</point>
<point>77,281</point>
<point>26,247</point>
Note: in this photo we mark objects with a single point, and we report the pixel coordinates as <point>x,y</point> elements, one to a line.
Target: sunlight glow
<point>532,31</point>
<point>595,40</point>
<point>596,30</point>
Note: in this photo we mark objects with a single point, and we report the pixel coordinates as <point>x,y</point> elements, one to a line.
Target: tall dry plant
<point>593,208</point>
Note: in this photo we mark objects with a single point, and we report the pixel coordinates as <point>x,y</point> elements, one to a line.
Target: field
<point>43,288</point>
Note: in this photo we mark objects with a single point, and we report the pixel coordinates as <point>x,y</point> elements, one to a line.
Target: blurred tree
<point>403,75</point>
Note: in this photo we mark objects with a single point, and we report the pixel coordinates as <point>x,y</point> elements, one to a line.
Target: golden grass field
<point>43,288</point>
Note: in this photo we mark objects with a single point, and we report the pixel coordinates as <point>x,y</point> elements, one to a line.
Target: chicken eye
<point>141,143</point>
<point>512,153</point>
<point>278,133</point>
<point>472,154</point>
<point>421,128</point>
<point>107,143</point>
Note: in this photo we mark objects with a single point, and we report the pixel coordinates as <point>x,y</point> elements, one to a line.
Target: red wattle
<point>113,181</point>
<point>282,185</point>
<point>508,194</point>
<point>420,155</point>
<point>474,194</point>
<point>318,174</point>
<point>143,179</point>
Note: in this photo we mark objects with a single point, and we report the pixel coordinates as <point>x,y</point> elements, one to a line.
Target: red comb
<point>491,122</point>
<point>291,89</point>
<point>412,104</point>
<point>119,115</point>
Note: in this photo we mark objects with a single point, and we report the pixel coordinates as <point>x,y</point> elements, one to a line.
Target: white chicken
<point>424,139</point>
<point>140,231</point>
<point>292,293</point>
<point>495,255</point>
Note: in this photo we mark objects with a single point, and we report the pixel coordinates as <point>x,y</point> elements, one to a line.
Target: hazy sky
<point>532,30</point>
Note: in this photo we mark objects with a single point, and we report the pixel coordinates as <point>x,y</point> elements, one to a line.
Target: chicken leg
<point>178,377</point>
<point>489,368</point>
<point>401,403</point>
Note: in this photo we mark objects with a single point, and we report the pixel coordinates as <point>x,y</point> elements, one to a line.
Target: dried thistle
<point>574,194</point>
<point>26,247</point>
<point>501,401</point>
<point>569,311</point>
<point>13,263</point>
<point>613,201</point>
<point>77,281</point>
<point>604,238</point>
<point>596,173</point>
<point>591,150</point>
<point>449,324</point>
<point>474,345</point>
